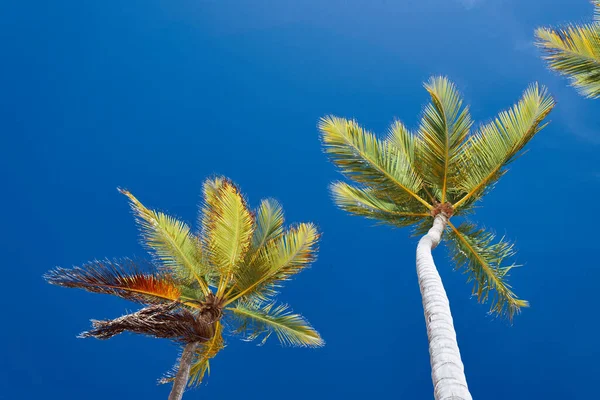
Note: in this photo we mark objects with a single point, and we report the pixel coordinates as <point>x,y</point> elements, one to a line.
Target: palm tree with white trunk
<point>424,179</point>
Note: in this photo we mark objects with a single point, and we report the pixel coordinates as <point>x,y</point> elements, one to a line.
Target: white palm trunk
<point>447,371</point>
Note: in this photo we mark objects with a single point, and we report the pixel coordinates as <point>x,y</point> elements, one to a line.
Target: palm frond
<point>269,223</point>
<point>263,319</point>
<point>596,10</point>
<point>171,241</point>
<point>405,141</point>
<point>473,249</point>
<point>495,145</point>
<point>276,262</point>
<point>163,321</point>
<point>201,363</point>
<point>210,188</point>
<point>126,279</point>
<point>574,51</point>
<point>229,228</point>
<point>366,202</point>
<point>444,128</point>
<point>367,160</point>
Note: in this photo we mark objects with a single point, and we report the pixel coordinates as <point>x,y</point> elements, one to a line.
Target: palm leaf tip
<point>124,279</point>
<point>260,320</point>
<point>483,259</point>
<point>574,52</point>
<point>269,223</point>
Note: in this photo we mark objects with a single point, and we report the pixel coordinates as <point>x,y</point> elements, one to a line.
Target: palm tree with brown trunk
<point>226,274</point>
<point>428,177</point>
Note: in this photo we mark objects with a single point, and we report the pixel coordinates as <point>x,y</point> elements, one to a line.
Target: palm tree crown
<point>574,51</point>
<point>230,269</point>
<point>444,167</point>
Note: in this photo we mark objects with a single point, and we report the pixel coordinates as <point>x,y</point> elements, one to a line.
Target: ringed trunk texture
<point>183,373</point>
<point>447,370</point>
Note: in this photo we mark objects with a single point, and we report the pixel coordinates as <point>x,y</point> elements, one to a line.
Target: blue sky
<point>155,96</point>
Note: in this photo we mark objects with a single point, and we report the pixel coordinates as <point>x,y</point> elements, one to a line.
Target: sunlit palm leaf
<point>125,279</point>
<point>229,227</point>
<point>365,202</point>
<point>444,127</point>
<point>494,145</point>
<point>262,319</point>
<point>276,262</point>
<point>171,241</point>
<point>269,223</point>
<point>574,51</point>
<point>404,140</point>
<point>364,158</point>
<point>210,188</point>
<point>482,257</point>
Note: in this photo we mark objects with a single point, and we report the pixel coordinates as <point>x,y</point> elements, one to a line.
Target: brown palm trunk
<point>183,373</point>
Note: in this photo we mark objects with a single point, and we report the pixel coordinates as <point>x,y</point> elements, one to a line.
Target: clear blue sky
<point>157,95</point>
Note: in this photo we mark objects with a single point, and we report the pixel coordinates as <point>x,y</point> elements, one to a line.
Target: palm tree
<point>574,51</point>
<point>424,178</point>
<point>230,269</point>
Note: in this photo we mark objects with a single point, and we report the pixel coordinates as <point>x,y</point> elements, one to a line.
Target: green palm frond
<point>483,259</point>
<point>367,160</point>
<point>404,140</point>
<point>171,241</point>
<point>487,152</point>
<point>366,202</point>
<point>444,128</point>
<point>269,223</point>
<point>276,262</point>
<point>263,319</point>
<point>228,230</point>
<point>210,188</point>
<point>574,51</point>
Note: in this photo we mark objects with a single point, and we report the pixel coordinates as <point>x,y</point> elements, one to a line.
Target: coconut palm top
<point>444,166</point>
<point>574,51</point>
<point>230,268</point>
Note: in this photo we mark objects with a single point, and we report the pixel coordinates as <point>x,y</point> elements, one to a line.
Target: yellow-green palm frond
<point>444,127</point>
<point>269,223</point>
<point>126,279</point>
<point>473,249</point>
<point>228,229</point>
<point>487,152</point>
<point>404,140</point>
<point>367,160</point>
<point>258,320</point>
<point>366,202</point>
<point>171,241</point>
<point>210,188</point>
<point>574,51</point>
<point>276,262</point>
<point>201,363</point>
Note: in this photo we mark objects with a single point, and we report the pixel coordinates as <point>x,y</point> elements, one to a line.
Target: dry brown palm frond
<point>168,321</point>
